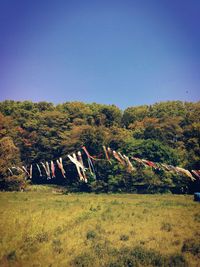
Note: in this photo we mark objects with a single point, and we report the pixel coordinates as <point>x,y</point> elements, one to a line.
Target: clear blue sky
<point>127,52</point>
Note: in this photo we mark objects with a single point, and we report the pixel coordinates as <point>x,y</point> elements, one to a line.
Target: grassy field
<point>45,228</point>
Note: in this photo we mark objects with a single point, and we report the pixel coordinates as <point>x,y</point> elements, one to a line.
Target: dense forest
<point>166,132</point>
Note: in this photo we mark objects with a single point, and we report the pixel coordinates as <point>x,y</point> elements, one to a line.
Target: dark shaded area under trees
<point>166,132</point>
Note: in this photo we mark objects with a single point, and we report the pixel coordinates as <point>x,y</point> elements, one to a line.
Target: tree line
<point>165,132</point>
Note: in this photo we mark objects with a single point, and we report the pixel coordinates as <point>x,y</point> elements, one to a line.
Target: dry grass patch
<point>44,229</point>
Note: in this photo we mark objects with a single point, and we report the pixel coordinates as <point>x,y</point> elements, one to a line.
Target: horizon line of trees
<point>165,132</point>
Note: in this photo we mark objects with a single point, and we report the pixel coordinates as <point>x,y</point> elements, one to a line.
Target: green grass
<point>43,228</point>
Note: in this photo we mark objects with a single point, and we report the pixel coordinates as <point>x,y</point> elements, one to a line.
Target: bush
<point>15,183</point>
<point>128,257</point>
<point>197,217</point>
<point>12,256</point>
<point>42,237</point>
<point>166,227</point>
<point>91,234</point>
<point>56,245</point>
<point>124,237</point>
<point>177,260</point>
<point>84,260</point>
<point>192,246</point>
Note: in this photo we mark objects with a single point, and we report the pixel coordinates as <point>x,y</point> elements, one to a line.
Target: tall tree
<point>9,157</point>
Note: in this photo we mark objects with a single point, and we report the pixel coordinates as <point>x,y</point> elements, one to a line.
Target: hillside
<point>166,132</point>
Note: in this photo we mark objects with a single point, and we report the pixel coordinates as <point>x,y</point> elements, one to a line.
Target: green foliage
<point>133,114</point>
<point>137,256</point>
<point>124,237</point>
<point>166,227</point>
<point>84,260</point>
<point>192,246</point>
<point>91,234</point>
<point>10,156</point>
<point>152,150</point>
<point>166,132</point>
<point>12,256</point>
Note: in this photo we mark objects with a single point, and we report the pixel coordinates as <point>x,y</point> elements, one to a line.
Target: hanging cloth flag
<point>25,170</point>
<point>106,153</point>
<point>87,153</point>
<point>75,161</point>
<point>145,162</point>
<point>109,152</point>
<point>10,171</point>
<point>44,166</point>
<point>47,170</point>
<point>122,158</point>
<point>80,159</point>
<point>118,158</point>
<point>78,165</point>
<point>90,164</point>
<point>166,167</point>
<point>130,166</point>
<point>91,167</point>
<point>173,168</point>
<point>60,166</point>
<point>196,173</point>
<point>39,169</point>
<point>151,164</point>
<point>138,160</point>
<point>53,169</point>
<point>185,172</point>
<point>29,173</point>
<point>126,162</point>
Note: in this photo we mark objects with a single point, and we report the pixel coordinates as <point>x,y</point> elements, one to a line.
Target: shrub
<point>192,246</point>
<point>12,256</point>
<point>56,245</point>
<point>29,245</point>
<point>124,237</point>
<point>84,260</point>
<point>56,242</point>
<point>127,257</point>
<point>176,242</point>
<point>58,231</point>
<point>91,234</point>
<point>15,183</point>
<point>42,237</point>
<point>166,227</point>
<point>177,260</point>
<point>197,217</point>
